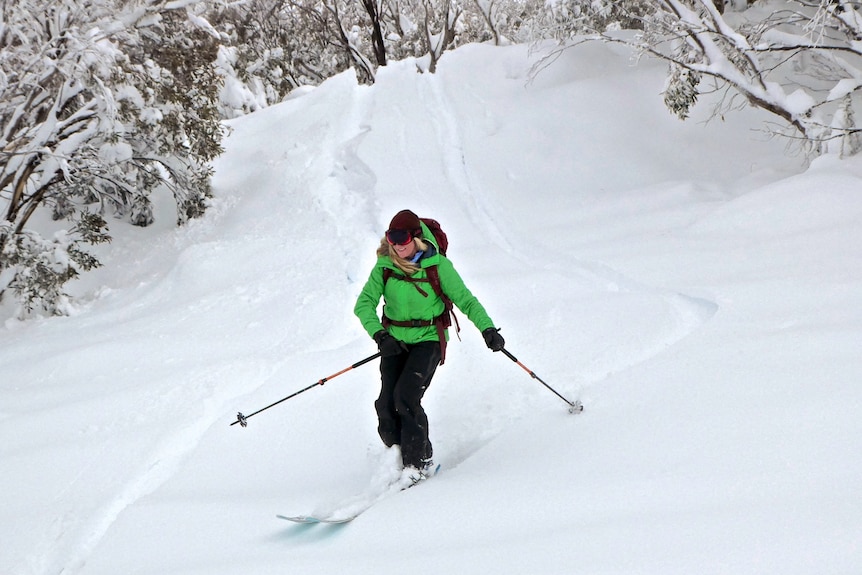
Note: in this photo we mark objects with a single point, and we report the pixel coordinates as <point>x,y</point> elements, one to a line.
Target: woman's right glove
<point>493,339</point>
<point>387,344</point>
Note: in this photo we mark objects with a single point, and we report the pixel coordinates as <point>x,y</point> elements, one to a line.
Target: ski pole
<point>243,419</point>
<point>574,406</point>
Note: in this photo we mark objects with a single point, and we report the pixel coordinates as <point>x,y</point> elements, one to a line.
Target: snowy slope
<point>693,285</point>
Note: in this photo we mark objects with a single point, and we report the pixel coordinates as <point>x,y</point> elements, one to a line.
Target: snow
<point>114,153</point>
<point>842,88</point>
<point>695,286</point>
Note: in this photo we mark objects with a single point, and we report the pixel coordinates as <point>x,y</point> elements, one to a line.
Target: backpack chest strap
<point>388,273</point>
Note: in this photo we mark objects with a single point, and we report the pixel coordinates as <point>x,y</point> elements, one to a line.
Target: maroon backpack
<point>439,234</point>
<point>444,320</point>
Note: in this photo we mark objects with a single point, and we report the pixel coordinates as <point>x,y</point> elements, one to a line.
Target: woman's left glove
<point>493,339</point>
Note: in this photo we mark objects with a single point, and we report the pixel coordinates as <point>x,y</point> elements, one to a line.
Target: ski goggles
<point>399,237</point>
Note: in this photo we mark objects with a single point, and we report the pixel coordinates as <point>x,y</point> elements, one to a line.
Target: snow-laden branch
<point>800,64</point>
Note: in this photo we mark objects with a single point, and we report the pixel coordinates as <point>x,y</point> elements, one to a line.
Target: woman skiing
<point>412,333</point>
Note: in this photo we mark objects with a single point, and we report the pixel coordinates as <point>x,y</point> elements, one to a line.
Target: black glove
<point>493,339</point>
<point>387,344</point>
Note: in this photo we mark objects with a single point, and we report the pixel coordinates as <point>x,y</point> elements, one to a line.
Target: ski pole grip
<point>366,360</point>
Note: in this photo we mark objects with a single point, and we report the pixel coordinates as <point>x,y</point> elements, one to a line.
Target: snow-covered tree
<point>439,25</point>
<point>355,34</point>
<point>800,61</point>
<point>272,47</point>
<point>565,20</point>
<point>101,103</point>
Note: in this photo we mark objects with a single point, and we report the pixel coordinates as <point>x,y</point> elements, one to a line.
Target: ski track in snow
<point>116,421</point>
<point>344,186</point>
<point>341,182</point>
<point>689,312</point>
<point>73,539</point>
<point>345,194</point>
<point>347,198</point>
<point>459,176</point>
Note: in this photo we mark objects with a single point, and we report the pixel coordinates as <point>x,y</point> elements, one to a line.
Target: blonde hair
<point>406,266</point>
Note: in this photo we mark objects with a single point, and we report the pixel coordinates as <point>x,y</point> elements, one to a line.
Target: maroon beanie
<point>405,220</point>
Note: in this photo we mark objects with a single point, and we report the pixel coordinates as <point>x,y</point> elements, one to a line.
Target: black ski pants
<point>401,419</point>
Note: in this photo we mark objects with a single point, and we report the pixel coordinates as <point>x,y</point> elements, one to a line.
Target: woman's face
<point>406,251</point>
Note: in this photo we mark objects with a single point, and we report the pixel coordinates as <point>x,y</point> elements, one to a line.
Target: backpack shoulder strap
<point>389,273</point>
<point>445,319</point>
<point>433,276</point>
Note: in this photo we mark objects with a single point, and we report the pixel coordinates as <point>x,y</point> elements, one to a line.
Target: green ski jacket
<point>402,300</point>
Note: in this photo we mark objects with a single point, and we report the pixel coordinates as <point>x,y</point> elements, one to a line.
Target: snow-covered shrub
<point>35,269</point>
<point>101,103</point>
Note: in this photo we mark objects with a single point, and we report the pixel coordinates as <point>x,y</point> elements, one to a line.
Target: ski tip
<point>339,520</point>
<point>299,519</point>
<point>311,520</point>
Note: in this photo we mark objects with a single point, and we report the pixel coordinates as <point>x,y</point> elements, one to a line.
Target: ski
<point>310,519</point>
<point>347,513</point>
